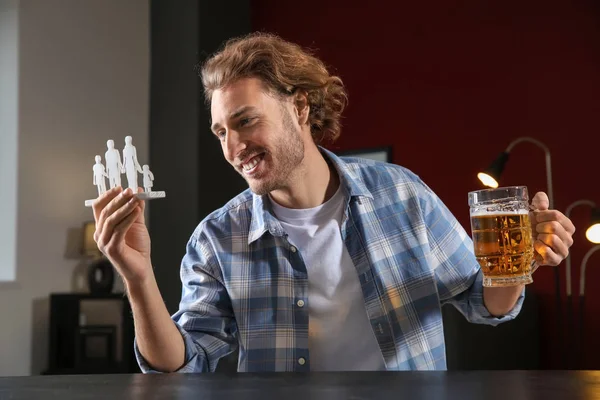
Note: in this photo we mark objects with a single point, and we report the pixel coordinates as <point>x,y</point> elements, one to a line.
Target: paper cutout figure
<point>130,162</point>
<point>114,168</point>
<point>148,179</point>
<point>99,175</point>
<point>130,166</point>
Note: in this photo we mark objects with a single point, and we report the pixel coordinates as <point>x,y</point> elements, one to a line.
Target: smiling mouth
<point>251,165</point>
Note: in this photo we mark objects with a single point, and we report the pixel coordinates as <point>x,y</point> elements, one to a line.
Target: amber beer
<point>503,245</point>
<point>501,233</point>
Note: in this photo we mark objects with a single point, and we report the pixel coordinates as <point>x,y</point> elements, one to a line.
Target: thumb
<point>540,201</point>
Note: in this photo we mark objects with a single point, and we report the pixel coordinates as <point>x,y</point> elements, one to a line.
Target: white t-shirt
<point>340,334</point>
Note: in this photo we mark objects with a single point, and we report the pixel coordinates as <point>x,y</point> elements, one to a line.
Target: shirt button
<point>300,303</point>
<point>301,361</point>
<point>293,249</point>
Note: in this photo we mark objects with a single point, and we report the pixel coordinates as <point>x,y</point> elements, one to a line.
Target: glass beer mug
<point>502,236</point>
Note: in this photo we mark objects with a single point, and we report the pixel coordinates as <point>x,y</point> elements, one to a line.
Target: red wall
<point>450,85</point>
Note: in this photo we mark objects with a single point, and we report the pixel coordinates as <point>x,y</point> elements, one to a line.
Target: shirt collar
<point>263,219</point>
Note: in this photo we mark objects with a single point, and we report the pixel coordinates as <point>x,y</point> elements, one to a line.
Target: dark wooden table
<point>505,385</point>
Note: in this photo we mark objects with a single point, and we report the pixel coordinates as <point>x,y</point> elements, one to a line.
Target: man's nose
<point>234,143</point>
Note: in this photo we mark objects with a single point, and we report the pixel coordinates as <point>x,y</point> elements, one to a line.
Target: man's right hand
<point>121,233</point>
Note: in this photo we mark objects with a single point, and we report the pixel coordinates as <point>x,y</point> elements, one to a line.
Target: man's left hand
<point>552,232</point>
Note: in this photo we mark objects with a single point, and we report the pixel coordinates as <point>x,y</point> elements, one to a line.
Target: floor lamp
<point>582,297</point>
<point>491,175</point>
<point>591,232</point>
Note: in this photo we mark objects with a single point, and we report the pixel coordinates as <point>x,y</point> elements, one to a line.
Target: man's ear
<point>301,106</point>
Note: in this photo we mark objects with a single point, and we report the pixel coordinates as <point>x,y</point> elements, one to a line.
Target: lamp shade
<point>89,247</point>
<point>593,232</point>
<point>491,175</point>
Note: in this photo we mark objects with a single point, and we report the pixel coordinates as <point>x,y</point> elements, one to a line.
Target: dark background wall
<point>183,151</point>
<point>447,84</point>
<point>450,84</point>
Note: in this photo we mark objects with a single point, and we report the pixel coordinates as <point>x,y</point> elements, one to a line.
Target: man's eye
<point>221,135</point>
<point>245,121</point>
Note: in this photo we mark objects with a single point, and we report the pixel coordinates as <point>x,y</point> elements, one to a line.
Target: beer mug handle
<point>534,265</point>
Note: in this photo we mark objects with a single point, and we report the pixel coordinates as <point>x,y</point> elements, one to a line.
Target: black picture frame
<point>383,153</point>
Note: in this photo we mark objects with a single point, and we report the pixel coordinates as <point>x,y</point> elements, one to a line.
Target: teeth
<point>251,164</point>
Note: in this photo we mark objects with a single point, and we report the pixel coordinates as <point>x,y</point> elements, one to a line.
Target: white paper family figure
<point>99,175</point>
<point>148,179</point>
<point>114,168</point>
<point>130,166</point>
<point>130,162</point>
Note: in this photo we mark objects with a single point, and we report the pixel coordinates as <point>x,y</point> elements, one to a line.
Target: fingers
<point>142,205</point>
<point>554,235</point>
<point>112,203</point>
<point>557,246</point>
<point>554,215</point>
<point>556,229</point>
<point>540,201</point>
<point>103,200</point>
<point>106,242</point>
<point>119,208</point>
<point>121,229</point>
<point>548,256</point>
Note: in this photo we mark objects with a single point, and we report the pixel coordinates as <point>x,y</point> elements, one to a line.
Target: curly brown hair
<point>285,68</point>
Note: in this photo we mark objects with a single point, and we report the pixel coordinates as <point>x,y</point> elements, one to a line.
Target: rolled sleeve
<point>458,274</point>
<point>470,303</point>
<point>205,317</point>
<point>194,362</point>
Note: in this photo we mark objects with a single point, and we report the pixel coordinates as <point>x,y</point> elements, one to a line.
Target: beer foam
<point>493,213</point>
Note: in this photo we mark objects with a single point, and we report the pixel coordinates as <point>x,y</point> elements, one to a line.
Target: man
<point>324,263</point>
<point>130,163</point>
<point>114,168</point>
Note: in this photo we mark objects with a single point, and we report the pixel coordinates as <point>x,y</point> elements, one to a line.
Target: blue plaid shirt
<point>243,279</point>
